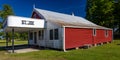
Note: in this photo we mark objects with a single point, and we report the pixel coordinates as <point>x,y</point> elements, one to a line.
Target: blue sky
<point>25,7</point>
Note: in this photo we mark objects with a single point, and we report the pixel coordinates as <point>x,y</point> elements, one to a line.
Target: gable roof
<point>66,20</point>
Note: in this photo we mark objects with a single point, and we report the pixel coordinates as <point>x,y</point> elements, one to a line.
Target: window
<point>41,35</point>
<point>56,34</point>
<point>51,34</point>
<point>106,33</point>
<point>31,36</point>
<point>94,32</point>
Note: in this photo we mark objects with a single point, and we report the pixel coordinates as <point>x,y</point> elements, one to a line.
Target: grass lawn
<point>17,42</point>
<point>109,51</point>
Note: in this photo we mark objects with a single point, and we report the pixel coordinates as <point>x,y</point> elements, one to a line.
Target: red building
<point>59,31</point>
<point>78,33</point>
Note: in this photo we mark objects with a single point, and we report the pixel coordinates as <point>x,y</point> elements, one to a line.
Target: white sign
<point>14,21</point>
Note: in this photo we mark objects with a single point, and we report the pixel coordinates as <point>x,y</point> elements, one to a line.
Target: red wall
<point>110,37</point>
<point>77,37</point>
<point>100,36</point>
<point>37,16</point>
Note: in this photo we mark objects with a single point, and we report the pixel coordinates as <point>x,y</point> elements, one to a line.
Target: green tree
<point>100,12</point>
<point>117,16</point>
<point>7,10</point>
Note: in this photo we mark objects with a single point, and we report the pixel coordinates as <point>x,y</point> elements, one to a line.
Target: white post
<point>64,39</point>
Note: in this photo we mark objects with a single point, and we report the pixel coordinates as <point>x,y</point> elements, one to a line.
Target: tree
<point>7,10</point>
<point>100,12</point>
<point>117,17</point>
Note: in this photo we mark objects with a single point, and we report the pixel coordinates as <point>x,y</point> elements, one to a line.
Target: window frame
<point>56,34</point>
<point>94,32</point>
<point>106,33</point>
<point>51,34</point>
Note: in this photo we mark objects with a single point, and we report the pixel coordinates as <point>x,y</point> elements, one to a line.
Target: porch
<point>21,24</point>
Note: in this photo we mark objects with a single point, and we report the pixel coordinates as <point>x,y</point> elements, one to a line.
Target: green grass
<point>17,42</point>
<point>109,51</point>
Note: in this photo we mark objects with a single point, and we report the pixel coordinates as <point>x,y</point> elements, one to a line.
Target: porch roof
<point>21,24</point>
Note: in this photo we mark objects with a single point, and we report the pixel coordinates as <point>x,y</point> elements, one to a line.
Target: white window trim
<point>94,32</point>
<point>106,33</point>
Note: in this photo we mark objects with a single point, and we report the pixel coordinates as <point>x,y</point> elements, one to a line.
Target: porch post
<point>12,40</point>
<point>28,37</point>
<point>6,39</point>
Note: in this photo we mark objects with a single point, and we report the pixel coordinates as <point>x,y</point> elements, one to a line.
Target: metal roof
<point>66,20</point>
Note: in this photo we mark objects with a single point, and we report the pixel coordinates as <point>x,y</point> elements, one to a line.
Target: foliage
<point>117,15</point>
<point>16,42</point>
<point>101,12</point>
<point>7,10</point>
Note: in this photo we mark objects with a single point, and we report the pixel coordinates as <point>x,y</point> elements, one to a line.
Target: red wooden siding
<point>101,37</point>
<point>35,15</point>
<point>110,37</point>
<point>76,37</point>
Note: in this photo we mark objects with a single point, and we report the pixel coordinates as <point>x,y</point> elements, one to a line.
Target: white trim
<point>94,32</point>
<point>64,39</point>
<point>106,33</point>
<point>86,27</point>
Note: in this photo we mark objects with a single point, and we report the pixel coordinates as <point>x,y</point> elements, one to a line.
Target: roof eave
<point>87,27</point>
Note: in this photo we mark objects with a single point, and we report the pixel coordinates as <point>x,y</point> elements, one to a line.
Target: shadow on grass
<point>2,42</point>
<point>2,49</point>
<point>118,44</point>
<point>116,39</point>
